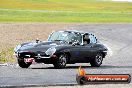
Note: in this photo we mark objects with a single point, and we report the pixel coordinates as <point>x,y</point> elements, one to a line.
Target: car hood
<point>40,46</point>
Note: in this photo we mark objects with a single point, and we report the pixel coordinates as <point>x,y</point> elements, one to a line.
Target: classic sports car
<point>62,47</point>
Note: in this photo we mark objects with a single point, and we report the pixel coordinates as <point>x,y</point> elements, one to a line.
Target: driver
<point>86,39</point>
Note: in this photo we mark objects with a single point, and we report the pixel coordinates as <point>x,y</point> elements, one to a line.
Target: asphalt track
<point>118,38</point>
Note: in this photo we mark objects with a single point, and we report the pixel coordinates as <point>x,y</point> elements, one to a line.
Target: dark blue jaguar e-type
<point>62,47</point>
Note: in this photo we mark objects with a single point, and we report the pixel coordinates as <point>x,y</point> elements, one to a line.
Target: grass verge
<point>65,11</point>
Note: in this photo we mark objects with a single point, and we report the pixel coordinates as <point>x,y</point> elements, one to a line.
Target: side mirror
<point>37,40</point>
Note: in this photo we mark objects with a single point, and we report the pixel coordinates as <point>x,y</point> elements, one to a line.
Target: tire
<point>97,60</point>
<point>22,64</point>
<point>61,61</point>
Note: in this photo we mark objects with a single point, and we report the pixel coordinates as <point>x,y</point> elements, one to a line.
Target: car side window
<point>74,38</point>
<point>86,39</point>
<point>92,39</point>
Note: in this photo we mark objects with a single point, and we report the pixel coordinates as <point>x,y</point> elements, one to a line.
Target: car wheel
<point>61,61</point>
<point>97,60</point>
<point>23,64</point>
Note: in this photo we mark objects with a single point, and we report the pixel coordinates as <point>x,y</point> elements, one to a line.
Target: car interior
<point>86,39</point>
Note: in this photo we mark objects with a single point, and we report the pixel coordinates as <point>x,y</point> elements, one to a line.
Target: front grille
<point>37,55</point>
<point>26,54</point>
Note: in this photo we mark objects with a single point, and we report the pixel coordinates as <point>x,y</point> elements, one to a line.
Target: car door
<point>79,52</point>
<point>89,51</point>
<point>86,52</point>
<point>75,52</point>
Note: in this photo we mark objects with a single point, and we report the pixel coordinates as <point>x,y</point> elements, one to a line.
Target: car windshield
<point>65,36</point>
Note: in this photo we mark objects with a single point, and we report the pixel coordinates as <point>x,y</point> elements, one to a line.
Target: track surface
<point>118,37</point>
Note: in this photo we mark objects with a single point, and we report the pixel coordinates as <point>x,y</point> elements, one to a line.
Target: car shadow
<point>67,67</point>
<point>76,67</point>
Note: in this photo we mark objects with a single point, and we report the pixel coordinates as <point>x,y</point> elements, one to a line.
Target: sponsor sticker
<point>83,78</point>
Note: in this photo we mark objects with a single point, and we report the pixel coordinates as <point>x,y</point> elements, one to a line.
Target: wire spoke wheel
<point>97,61</point>
<point>61,61</point>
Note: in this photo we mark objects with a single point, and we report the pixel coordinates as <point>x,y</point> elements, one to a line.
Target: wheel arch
<point>101,52</point>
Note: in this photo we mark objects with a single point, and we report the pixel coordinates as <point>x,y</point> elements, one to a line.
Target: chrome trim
<point>45,57</point>
<point>39,57</point>
<point>28,55</point>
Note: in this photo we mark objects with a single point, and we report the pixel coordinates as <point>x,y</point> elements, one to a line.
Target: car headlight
<point>50,51</point>
<point>16,48</point>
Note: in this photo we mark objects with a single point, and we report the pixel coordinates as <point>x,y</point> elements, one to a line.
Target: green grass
<point>64,11</point>
<point>6,54</point>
